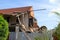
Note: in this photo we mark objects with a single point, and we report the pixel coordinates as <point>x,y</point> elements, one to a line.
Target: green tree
<point>3,28</point>
<point>57,31</point>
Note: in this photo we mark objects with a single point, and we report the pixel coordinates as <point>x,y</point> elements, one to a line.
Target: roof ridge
<point>17,7</point>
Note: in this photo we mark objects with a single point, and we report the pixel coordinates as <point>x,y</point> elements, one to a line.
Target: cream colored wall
<point>31,13</point>
<point>26,21</point>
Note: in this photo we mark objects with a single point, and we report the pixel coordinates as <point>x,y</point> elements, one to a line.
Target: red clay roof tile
<point>21,9</point>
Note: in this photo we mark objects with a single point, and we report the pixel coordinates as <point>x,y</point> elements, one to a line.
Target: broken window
<point>30,22</point>
<point>17,21</point>
<point>34,20</point>
<point>11,29</point>
<point>7,18</point>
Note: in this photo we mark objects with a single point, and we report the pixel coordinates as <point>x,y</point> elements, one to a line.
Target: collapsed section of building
<point>26,17</point>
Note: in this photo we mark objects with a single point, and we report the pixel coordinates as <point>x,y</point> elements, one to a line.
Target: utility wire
<point>37,10</point>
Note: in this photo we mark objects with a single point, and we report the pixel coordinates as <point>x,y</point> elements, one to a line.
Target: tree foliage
<point>3,28</point>
<point>58,14</point>
<point>57,31</point>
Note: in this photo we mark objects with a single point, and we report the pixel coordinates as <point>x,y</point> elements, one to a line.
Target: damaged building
<point>26,16</point>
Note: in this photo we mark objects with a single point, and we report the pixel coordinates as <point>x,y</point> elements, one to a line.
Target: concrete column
<point>17,31</point>
<point>23,17</point>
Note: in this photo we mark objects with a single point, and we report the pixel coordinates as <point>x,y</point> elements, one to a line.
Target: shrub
<point>37,38</point>
<point>3,28</point>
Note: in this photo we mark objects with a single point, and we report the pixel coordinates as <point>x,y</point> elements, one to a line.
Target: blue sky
<point>44,17</point>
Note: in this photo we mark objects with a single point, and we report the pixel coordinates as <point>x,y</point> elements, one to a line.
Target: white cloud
<point>50,14</point>
<point>52,1</point>
<point>55,2</point>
